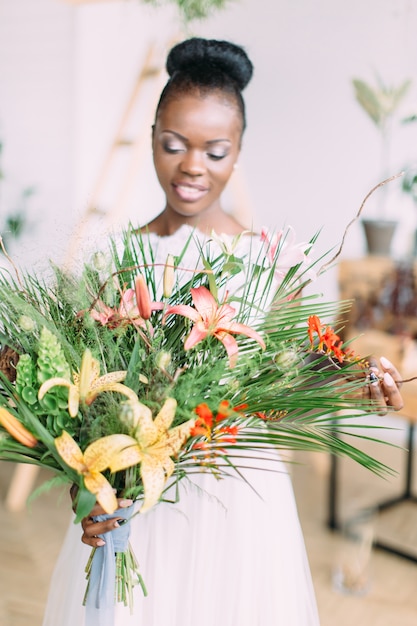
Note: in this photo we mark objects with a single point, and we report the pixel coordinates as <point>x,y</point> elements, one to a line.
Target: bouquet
<point>135,373</point>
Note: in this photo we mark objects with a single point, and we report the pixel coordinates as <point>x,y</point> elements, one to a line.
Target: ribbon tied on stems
<point>112,572</point>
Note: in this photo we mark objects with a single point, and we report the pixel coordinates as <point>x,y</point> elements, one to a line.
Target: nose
<point>193,163</point>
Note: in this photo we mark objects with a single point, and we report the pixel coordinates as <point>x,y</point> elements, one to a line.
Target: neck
<point>168,222</point>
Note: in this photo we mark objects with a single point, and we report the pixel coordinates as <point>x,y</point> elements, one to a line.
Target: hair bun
<point>201,55</point>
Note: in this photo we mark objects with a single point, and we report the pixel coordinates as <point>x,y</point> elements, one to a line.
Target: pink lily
<point>210,319</point>
<point>126,313</point>
<point>284,251</point>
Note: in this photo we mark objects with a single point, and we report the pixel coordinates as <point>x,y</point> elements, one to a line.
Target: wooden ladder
<point>129,139</point>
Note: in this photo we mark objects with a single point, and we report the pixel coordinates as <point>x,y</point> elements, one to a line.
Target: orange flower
<point>199,429</point>
<point>211,319</point>
<point>206,425</point>
<point>230,430</point>
<point>200,445</point>
<point>223,411</point>
<point>143,299</point>
<point>315,326</point>
<point>204,414</point>
<point>16,429</point>
<point>327,338</point>
<point>330,339</point>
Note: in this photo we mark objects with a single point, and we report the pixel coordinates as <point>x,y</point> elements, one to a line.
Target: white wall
<point>310,153</point>
<point>321,151</point>
<point>36,120</point>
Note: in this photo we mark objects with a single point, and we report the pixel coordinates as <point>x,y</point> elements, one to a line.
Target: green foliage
<point>193,9</point>
<point>380,102</point>
<point>285,395</point>
<point>409,183</point>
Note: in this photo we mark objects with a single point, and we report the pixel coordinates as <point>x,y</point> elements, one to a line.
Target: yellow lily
<point>16,429</point>
<point>96,458</point>
<point>88,384</point>
<point>152,446</point>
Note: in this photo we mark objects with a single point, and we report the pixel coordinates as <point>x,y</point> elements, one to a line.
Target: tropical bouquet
<point>131,374</point>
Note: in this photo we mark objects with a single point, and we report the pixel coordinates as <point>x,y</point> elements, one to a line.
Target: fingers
<point>392,393</point>
<point>388,367</point>
<point>385,386</point>
<point>93,529</point>
<point>376,392</point>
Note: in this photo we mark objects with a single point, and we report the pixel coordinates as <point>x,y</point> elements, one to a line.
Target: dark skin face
<point>196,143</point>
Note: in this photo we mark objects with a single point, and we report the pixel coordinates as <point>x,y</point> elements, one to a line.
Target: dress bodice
<point>198,241</point>
<point>247,247</point>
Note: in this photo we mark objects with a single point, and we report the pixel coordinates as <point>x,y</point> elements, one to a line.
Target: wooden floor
<point>30,542</point>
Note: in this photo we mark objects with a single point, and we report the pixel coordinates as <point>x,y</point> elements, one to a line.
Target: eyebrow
<point>210,142</point>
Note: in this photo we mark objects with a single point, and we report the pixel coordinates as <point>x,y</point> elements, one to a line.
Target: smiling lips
<point>189,192</point>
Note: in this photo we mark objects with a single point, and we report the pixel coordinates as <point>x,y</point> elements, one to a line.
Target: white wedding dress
<point>229,553</point>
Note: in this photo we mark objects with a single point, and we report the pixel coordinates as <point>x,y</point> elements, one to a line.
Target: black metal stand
<point>333,521</point>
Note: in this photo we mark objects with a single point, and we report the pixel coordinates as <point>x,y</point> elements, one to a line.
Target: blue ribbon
<point>101,589</point>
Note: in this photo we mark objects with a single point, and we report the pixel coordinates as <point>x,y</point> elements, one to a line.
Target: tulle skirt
<point>229,553</point>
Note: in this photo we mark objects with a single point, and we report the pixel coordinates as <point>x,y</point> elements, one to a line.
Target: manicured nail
<point>120,522</point>
<point>385,363</point>
<point>100,542</point>
<point>388,380</point>
<point>125,503</point>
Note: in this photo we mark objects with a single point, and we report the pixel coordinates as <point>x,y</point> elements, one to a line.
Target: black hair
<point>207,65</point>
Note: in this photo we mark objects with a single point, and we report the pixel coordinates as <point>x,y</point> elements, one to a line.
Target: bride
<point>230,552</point>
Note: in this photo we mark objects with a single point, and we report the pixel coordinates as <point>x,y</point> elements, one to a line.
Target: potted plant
<point>14,224</point>
<point>409,181</point>
<point>381,103</point>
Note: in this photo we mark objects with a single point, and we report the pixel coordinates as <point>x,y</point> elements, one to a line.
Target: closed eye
<point>216,157</point>
<point>173,149</point>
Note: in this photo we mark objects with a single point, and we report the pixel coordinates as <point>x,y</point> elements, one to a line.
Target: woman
<point>230,553</point>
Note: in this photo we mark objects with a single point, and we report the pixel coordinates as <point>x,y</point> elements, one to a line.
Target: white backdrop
<point>310,153</point>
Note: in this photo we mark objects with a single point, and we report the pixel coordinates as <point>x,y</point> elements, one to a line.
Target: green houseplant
<point>409,181</point>
<point>381,103</point>
<point>15,222</point>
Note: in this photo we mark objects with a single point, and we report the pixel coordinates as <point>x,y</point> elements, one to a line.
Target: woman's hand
<point>92,529</point>
<point>384,386</point>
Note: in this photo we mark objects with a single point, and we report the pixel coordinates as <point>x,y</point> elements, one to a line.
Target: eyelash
<point>216,157</point>
<point>213,157</point>
<point>172,150</point>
